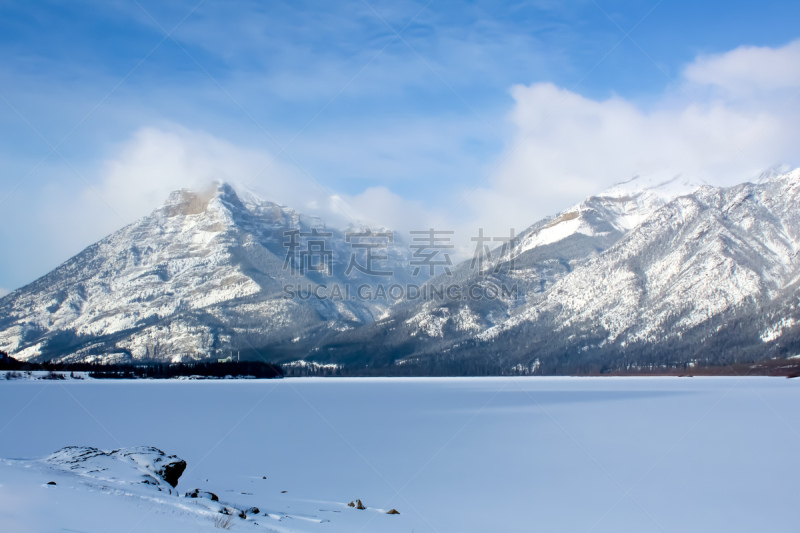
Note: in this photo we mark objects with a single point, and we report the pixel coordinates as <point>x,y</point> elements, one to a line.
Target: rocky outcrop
<point>141,464</point>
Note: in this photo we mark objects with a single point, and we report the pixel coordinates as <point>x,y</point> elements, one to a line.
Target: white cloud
<point>153,162</point>
<point>736,122</point>
<point>748,70</point>
<point>157,161</point>
<point>379,205</point>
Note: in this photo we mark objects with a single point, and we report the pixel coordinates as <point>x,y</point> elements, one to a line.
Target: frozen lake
<point>452,455</point>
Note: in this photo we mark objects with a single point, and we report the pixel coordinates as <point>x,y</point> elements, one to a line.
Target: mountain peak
<point>190,202</point>
<point>654,184</point>
<point>776,173</point>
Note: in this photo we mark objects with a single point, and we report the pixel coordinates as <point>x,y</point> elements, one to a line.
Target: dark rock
<point>197,493</point>
<point>357,504</point>
<point>51,482</point>
<point>253,510</point>
<point>392,511</point>
<point>172,471</point>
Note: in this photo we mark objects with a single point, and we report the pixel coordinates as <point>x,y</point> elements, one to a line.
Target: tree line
<point>152,370</point>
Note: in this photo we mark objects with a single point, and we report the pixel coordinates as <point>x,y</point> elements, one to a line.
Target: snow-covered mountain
<point>703,269</point>
<point>202,276</point>
<point>699,256</point>
<point>643,273</point>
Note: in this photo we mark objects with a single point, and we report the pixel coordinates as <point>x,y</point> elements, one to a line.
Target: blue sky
<point>426,125</point>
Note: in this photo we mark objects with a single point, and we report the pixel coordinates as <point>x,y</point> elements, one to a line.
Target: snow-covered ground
<point>451,455</point>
